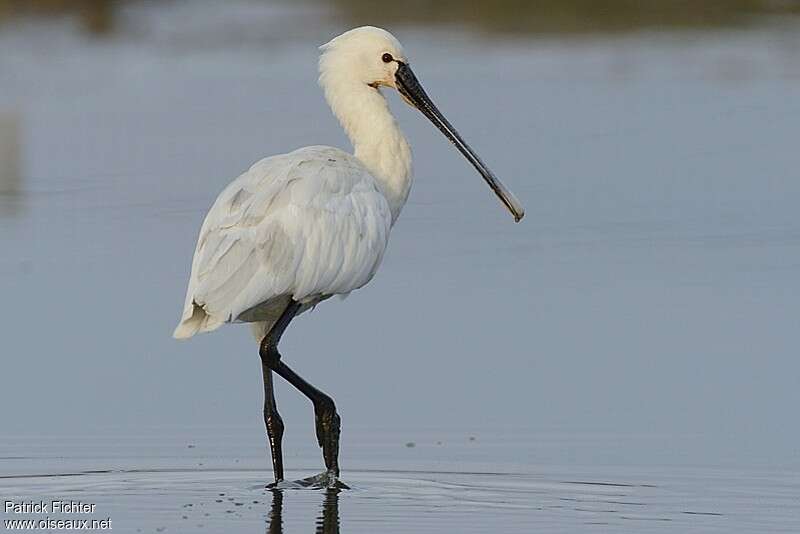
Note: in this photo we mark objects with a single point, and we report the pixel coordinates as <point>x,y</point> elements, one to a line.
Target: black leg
<point>272,419</point>
<point>273,423</point>
<point>328,423</point>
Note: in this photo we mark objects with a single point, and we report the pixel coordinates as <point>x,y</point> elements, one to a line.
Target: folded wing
<point>304,225</point>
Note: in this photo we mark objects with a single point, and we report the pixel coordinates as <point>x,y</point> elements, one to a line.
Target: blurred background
<point>503,16</point>
<point>647,310</point>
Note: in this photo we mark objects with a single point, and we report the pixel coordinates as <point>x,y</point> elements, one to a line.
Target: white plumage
<point>315,222</point>
<point>308,224</point>
<point>298,228</point>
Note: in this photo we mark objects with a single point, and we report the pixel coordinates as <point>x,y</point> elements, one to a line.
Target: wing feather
<point>305,225</point>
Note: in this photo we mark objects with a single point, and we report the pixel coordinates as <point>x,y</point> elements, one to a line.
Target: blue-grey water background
<point>624,359</point>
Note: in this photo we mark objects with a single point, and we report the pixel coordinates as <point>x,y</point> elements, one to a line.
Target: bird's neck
<point>377,140</point>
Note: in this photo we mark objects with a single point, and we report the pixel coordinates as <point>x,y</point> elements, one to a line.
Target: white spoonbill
<point>298,228</point>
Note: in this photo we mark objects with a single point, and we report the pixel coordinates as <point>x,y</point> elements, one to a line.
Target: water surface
<point>446,481</point>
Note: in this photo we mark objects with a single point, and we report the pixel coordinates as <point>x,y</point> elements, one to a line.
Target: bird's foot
<point>325,480</point>
<point>278,484</point>
<point>328,426</point>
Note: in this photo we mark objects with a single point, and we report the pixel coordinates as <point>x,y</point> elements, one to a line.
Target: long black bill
<point>412,91</point>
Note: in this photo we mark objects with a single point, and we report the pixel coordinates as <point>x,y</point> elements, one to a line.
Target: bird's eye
<point>387,58</point>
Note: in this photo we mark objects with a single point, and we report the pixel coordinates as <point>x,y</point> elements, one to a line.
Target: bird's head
<point>372,57</point>
<point>366,55</point>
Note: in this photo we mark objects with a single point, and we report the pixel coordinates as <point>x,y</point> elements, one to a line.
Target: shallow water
<point>626,357</point>
<point>439,485</point>
<point>425,501</point>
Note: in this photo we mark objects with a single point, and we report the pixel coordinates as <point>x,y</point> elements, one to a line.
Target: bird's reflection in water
<point>275,516</point>
<point>11,194</point>
<point>327,520</point>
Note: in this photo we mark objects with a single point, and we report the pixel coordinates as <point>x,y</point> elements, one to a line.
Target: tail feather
<point>195,320</point>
